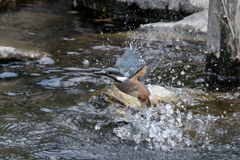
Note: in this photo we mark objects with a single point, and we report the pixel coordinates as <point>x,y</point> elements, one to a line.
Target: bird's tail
<point>149,103</point>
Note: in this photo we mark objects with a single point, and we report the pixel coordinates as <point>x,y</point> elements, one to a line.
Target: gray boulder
<point>189,6</point>
<point>192,28</point>
<point>8,54</point>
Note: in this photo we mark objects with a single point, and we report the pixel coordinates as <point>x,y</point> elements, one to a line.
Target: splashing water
<point>169,130</point>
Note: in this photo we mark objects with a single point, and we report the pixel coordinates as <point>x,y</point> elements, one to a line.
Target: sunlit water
<point>45,113</point>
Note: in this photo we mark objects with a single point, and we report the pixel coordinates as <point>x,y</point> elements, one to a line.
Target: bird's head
<point>112,73</point>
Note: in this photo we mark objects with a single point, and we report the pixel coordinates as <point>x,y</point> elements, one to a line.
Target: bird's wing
<point>150,67</point>
<point>130,62</point>
<point>155,61</point>
<point>140,73</point>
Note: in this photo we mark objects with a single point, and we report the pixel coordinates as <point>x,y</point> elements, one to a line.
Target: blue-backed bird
<point>129,68</point>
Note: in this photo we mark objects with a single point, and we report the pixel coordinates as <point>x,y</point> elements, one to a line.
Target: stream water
<point>44,108</point>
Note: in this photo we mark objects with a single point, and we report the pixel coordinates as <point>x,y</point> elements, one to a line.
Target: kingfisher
<point>128,70</point>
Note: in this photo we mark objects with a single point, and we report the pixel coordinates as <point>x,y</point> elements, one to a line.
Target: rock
<point>141,8</point>
<point>130,14</point>
<point>189,6</point>
<point>13,54</point>
<point>192,28</point>
<point>119,102</point>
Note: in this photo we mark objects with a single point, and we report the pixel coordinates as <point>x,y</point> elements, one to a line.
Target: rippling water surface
<point>44,108</point>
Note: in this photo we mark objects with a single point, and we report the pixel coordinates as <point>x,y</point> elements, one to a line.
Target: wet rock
<point>118,102</point>
<point>192,28</point>
<point>160,9</point>
<point>189,6</point>
<point>121,15</point>
<point>13,54</point>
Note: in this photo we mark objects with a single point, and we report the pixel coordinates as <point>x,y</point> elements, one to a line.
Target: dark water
<point>44,109</point>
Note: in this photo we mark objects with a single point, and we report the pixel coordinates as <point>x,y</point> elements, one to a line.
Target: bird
<point>128,70</point>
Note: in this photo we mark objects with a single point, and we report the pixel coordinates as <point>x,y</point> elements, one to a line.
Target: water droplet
<point>85,62</point>
<point>179,82</point>
<point>189,115</point>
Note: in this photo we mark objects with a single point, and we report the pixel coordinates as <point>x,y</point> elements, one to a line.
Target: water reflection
<point>44,109</point>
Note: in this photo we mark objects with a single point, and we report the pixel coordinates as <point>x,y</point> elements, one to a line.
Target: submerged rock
<point>119,102</point>
<point>13,54</point>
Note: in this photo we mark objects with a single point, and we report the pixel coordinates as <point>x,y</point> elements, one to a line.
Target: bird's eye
<point>109,72</point>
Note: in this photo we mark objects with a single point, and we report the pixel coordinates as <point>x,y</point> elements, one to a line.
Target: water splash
<point>169,130</point>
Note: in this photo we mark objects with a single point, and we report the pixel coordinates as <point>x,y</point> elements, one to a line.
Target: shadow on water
<point>44,108</point>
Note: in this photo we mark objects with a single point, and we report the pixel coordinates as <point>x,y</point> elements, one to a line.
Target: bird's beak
<point>100,73</point>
